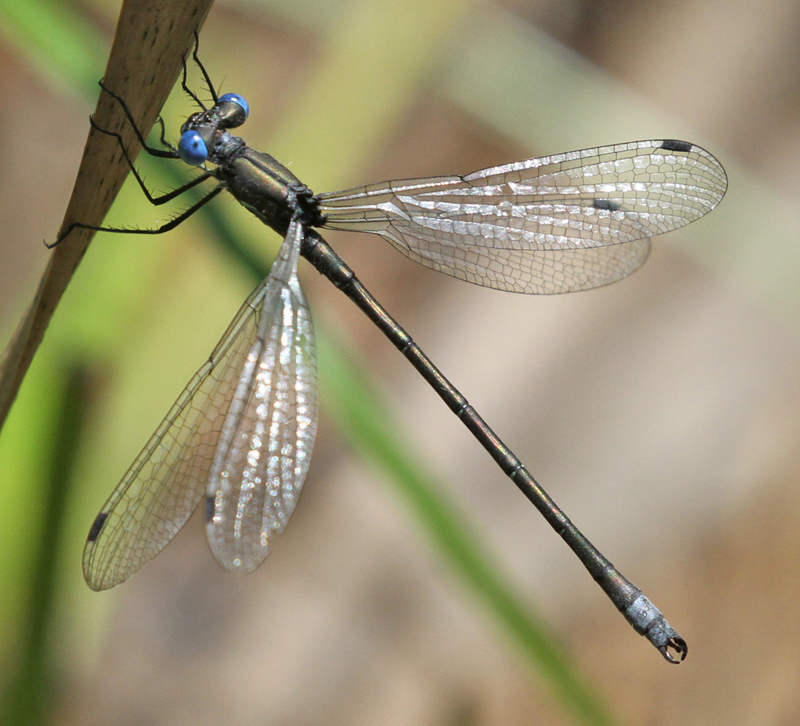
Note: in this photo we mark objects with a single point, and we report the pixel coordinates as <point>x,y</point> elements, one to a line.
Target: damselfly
<point>239,437</point>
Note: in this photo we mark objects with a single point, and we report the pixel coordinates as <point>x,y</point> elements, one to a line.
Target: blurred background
<point>662,412</point>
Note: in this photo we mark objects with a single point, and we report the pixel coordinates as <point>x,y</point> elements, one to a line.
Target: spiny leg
<point>160,153</point>
<point>163,136</point>
<point>195,57</point>
<point>184,81</point>
<point>166,227</point>
<point>185,85</point>
<point>155,200</point>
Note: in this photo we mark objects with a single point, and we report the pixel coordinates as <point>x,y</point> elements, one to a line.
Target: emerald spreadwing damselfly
<point>239,437</point>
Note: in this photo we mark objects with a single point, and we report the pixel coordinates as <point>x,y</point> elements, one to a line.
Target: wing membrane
<point>547,225</point>
<point>265,448</point>
<point>166,482</point>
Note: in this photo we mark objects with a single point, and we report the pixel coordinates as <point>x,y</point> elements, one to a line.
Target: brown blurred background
<point>662,412</point>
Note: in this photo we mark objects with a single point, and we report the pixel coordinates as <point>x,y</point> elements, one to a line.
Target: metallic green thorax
<point>263,185</point>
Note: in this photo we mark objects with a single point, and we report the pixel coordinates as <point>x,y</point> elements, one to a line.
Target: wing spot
<point>606,204</point>
<point>209,508</point>
<point>97,526</point>
<point>673,145</point>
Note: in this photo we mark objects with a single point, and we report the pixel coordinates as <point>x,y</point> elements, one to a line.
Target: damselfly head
<point>199,135</point>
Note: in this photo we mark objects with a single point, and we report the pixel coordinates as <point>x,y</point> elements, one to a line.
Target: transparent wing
<point>559,223</point>
<point>265,447</point>
<point>168,479</point>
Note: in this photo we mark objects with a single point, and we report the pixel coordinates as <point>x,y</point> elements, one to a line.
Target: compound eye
<point>236,117</point>
<point>192,149</point>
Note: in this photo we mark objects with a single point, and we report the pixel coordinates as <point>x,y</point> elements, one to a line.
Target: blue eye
<point>236,98</point>
<point>192,149</point>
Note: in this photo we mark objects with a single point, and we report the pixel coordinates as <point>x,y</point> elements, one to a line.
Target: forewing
<point>546,225</point>
<point>169,477</point>
<point>268,434</point>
